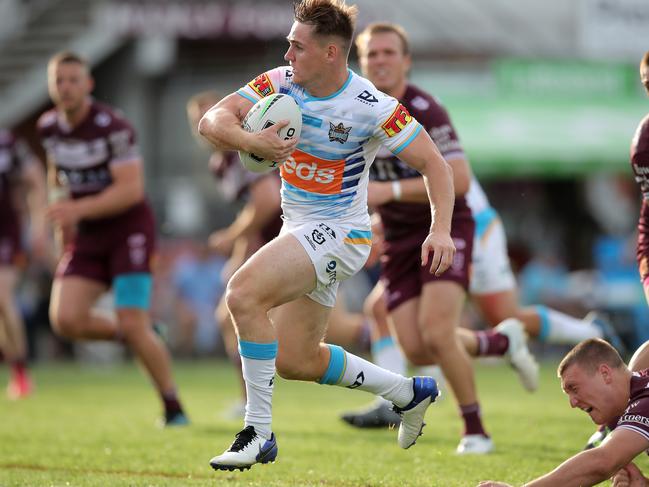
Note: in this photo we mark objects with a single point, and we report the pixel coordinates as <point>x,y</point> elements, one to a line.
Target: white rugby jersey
<point>326,177</point>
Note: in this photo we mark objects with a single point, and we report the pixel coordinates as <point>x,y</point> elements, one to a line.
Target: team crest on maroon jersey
<point>338,133</point>
<point>102,119</point>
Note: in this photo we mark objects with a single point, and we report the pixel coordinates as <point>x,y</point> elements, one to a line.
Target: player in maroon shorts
<point>107,225</point>
<point>598,382</point>
<point>18,167</point>
<point>425,309</point>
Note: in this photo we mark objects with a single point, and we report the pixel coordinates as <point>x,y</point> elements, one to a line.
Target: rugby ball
<point>265,113</point>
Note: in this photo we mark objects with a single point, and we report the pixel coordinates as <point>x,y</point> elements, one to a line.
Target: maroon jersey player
<point>425,309</point>
<point>598,382</point>
<point>18,167</point>
<point>108,224</point>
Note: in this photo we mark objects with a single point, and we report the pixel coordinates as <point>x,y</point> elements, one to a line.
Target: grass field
<point>89,426</point>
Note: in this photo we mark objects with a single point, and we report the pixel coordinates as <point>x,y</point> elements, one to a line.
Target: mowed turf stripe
<point>133,473</point>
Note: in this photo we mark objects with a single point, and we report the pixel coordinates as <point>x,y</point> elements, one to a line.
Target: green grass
<point>88,426</point>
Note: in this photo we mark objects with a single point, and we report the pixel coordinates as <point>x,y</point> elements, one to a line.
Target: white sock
<point>560,329</point>
<point>258,366</point>
<point>347,370</point>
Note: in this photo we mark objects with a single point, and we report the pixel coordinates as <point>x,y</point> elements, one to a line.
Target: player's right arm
<point>221,126</point>
<point>593,466</point>
<point>422,154</point>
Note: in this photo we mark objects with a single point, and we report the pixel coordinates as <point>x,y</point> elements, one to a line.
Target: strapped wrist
<point>397,191</point>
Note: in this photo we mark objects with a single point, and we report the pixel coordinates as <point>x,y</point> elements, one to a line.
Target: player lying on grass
<point>599,383</point>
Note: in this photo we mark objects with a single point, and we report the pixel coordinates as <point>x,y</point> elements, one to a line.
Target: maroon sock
<point>171,402</point>
<point>491,343</point>
<point>472,420</point>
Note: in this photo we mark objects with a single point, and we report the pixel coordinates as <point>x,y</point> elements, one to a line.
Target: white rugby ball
<point>265,113</point>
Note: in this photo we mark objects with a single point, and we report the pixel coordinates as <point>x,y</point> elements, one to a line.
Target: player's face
<point>69,85</point>
<point>644,77</point>
<point>589,392</point>
<point>383,61</point>
<point>306,54</point>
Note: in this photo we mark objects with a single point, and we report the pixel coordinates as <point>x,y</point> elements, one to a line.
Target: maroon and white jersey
<point>640,166</point>
<point>636,415</point>
<point>83,155</point>
<point>15,156</point>
<point>401,219</point>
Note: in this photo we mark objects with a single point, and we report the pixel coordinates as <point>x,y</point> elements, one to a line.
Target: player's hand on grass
<point>491,483</point>
<point>440,249</point>
<point>629,476</point>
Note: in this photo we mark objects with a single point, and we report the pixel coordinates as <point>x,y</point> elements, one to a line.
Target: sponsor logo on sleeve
<point>262,85</point>
<point>420,103</point>
<point>338,133</point>
<point>397,121</point>
<point>634,418</point>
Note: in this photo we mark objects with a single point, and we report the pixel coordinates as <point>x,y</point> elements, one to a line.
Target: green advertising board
<point>545,118</point>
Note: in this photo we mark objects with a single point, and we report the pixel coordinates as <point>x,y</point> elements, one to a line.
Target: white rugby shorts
<point>491,271</point>
<point>337,251</point>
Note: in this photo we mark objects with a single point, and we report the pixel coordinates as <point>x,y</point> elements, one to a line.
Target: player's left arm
<point>593,466</point>
<point>422,154</point>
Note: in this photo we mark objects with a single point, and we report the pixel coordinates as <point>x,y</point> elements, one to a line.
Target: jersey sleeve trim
<point>128,159</point>
<point>407,142</point>
<point>635,429</point>
<point>247,96</point>
<point>457,154</point>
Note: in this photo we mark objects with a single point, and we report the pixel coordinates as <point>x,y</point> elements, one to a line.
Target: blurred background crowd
<point>546,118</point>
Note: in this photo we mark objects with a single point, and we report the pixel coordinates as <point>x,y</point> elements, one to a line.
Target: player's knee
<point>439,338</point>
<point>416,354</point>
<point>132,329</point>
<point>237,297</point>
<point>66,324</point>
